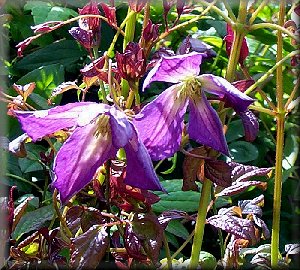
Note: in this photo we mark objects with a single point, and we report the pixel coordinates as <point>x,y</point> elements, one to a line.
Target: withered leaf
<point>218,171</point>
<point>19,211</point>
<point>88,249</point>
<point>241,228</point>
<point>192,167</point>
<point>63,87</point>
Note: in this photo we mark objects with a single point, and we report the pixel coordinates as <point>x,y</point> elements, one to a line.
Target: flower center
<point>103,126</point>
<point>191,87</point>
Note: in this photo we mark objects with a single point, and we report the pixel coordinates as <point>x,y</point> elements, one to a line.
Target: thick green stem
<point>200,223</point>
<point>129,36</point>
<point>279,146</point>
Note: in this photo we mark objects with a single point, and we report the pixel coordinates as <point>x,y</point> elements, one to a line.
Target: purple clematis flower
<point>160,123</point>
<point>99,132</point>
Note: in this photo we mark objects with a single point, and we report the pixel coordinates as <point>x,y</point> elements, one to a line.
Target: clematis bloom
<point>160,123</point>
<point>99,132</point>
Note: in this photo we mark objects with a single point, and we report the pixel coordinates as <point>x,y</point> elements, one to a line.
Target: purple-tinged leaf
<point>73,217</point>
<point>241,173</point>
<point>47,26</point>
<point>147,228</point>
<point>91,216</point>
<point>238,187</point>
<point>133,244</point>
<point>265,233</point>
<point>231,211</point>
<point>251,125</point>
<point>218,171</point>
<point>292,249</point>
<point>250,207</point>
<point>84,37</point>
<point>88,249</point>
<point>241,228</point>
<point>165,217</point>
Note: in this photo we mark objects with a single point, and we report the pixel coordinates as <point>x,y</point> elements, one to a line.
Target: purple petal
<point>205,126</point>
<point>38,124</point>
<point>225,90</point>
<point>121,129</point>
<point>160,123</point>
<point>79,158</point>
<point>250,124</point>
<point>174,69</point>
<point>139,170</point>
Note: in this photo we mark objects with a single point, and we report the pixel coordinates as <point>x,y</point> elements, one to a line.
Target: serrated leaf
<point>243,151</point>
<point>242,173</point>
<point>175,198</point>
<point>242,228</point>
<point>33,220</point>
<point>239,187</point>
<point>88,249</point>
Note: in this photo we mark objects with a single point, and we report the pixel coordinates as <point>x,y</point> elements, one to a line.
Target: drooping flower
<point>99,132</point>
<point>229,41</point>
<point>160,123</point>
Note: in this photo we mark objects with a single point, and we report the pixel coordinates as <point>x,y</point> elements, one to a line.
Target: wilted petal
<point>250,124</point>
<point>226,91</point>
<point>38,124</point>
<point>205,126</point>
<point>139,170</point>
<point>173,69</point>
<point>79,158</point>
<point>160,123</point>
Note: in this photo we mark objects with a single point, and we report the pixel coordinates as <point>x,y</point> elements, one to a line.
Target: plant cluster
<point>154,135</point>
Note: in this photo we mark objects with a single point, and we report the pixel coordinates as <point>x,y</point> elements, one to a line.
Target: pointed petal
<point>121,129</point>
<point>251,125</point>
<point>160,123</point>
<point>225,90</point>
<point>139,170</point>
<point>173,69</point>
<point>38,124</point>
<point>79,158</point>
<point>205,126</point>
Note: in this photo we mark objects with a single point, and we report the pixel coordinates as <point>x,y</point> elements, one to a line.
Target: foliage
<point>216,204</point>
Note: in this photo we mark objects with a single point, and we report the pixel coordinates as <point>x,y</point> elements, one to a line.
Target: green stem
<point>274,27</point>
<point>279,146</point>
<point>24,180</point>
<point>229,10</point>
<point>200,223</point>
<point>168,254</point>
<point>129,36</point>
<point>255,13</point>
<point>270,71</point>
<point>262,109</point>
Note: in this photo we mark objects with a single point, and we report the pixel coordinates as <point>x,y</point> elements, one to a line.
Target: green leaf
<point>39,10</point>
<point>243,151</point>
<point>33,220</point>
<point>46,79</point>
<point>60,14</point>
<point>67,52</point>
<point>235,131</point>
<point>176,227</point>
<point>291,148</point>
<point>207,260</point>
<point>175,198</point>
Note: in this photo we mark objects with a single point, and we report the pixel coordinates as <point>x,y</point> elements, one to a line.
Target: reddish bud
<point>110,14</point>
<point>229,41</point>
<point>150,32</point>
<point>137,5</point>
<point>132,63</point>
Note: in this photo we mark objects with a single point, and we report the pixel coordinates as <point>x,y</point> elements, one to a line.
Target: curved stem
<point>200,223</point>
<point>274,27</point>
<point>259,8</point>
<point>270,71</point>
<point>279,146</point>
<point>24,180</point>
